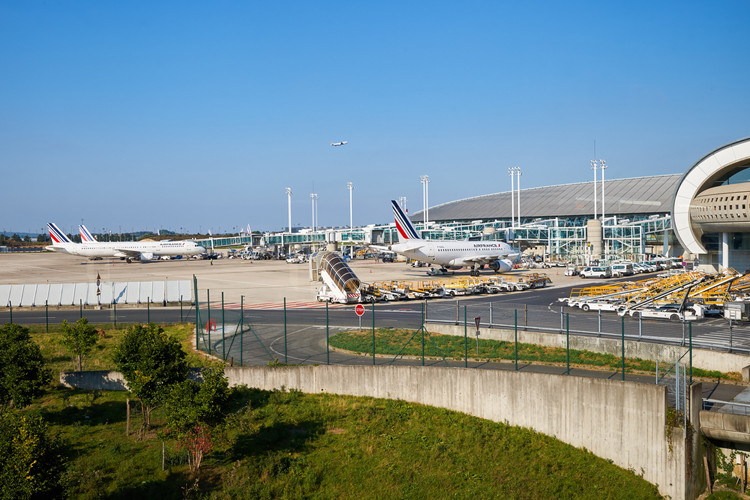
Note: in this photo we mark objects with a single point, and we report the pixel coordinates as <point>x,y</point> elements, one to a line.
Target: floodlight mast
<point>289,197</point>
<point>313,197</point>
<point>425,179</point>
<point>518,186</point>
<point>512,172</point>
<point>594,167</point>
<point>602,167</point>
<point>350,187</point>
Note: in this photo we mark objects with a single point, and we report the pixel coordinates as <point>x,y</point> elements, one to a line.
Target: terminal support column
<point>724,251</point>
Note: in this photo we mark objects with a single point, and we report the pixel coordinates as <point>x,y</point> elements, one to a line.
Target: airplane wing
<point>127,253</point>
<point>483,259</point>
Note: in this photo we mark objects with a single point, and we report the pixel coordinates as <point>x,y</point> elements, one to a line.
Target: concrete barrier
<point>702,358</point>
<point>622,421</point>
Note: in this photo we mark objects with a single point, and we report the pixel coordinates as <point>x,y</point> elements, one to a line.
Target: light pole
<point>350,187</point>
<point>402,203</point>
<point>518,186</point>
<point>289,199</point>
<point>594,167</point>
<point>425,198</point>
<point>512,172</point>
<point>602,167</point>
<point>313,197</point>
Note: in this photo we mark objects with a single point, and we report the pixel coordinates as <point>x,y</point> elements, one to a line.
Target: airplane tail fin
<point>56,234</point>
<point>86,235</point>
<point>405,228</point>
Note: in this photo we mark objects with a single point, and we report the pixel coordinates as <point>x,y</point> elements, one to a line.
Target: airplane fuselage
<point>129,249</point>
<point>456,254</point>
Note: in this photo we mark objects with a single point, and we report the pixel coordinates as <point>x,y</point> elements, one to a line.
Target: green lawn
<point>390,341</point>
<point>292,445</point>
<point>100,358</point>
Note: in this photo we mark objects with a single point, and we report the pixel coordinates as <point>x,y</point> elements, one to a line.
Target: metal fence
<point>714,334</point>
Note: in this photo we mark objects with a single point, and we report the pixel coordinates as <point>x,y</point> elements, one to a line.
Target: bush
<point>32,465</point>
<point>22,373</point>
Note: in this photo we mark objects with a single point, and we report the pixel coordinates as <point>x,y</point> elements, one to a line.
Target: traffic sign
<point>476,322</point>
<point>360,309</point>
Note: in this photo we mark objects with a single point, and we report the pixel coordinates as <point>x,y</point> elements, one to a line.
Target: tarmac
<point>264,283</point>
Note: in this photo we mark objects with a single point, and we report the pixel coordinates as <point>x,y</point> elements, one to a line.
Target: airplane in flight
<point>497,255</point>
<point>338,143</point>
<point>128,250</point>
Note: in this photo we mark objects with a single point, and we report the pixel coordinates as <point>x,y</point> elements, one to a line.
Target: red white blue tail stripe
<point>56,234</point>
<point>405,228</point>
<point>86,235</point>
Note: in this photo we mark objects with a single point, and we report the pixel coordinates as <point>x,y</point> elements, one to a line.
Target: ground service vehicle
<point>596,272</point>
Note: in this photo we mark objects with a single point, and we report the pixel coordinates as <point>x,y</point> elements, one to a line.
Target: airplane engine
<point>501,266</point>
<point>147,256</point>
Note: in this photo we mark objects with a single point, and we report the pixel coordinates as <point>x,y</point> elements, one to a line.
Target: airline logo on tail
<point>56,234</point>
<point>86,236</point>
<point>403,224</point>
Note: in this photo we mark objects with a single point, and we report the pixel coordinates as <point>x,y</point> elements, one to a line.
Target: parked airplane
<point>86,236</point>
<point>450,254</point>
<point>338,143</point>
<point>128,250</point>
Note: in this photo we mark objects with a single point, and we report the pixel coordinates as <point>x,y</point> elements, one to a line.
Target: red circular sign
<point>360,309</point>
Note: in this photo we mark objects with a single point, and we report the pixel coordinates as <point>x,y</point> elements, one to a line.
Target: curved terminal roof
<point>639,195</point>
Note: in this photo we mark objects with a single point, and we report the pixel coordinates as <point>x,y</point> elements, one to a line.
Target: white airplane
<point>128,250</point>
<point>450,254</point>
<point>338,143</point>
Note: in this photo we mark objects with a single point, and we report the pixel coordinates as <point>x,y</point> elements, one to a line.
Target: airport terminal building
<point>702,215</point>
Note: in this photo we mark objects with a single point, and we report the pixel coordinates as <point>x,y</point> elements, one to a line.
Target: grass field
<point>389,341</point>
<point>292,445</point>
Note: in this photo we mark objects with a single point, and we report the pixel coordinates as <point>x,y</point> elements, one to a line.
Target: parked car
<point>596,272</point>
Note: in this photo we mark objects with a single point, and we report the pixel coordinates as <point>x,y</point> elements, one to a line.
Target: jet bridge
<point>339,283</point>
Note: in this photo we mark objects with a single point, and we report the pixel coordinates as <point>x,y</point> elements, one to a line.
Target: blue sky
<point>200,114</point>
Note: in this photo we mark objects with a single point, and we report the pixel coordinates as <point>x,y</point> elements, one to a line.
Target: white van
<point>622,269</point>
<point>597,272</point>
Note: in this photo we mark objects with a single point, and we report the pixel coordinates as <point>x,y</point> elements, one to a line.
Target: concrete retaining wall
<point>621,421</point>
<point>107,380</point>
<point>707,360</point>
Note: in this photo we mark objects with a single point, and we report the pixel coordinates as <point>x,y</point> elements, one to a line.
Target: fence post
<point>525,316</point>
<point>690,332</point>
<point>114,313</point>
<point>208,325</point>
<point>242,324</point>
<point>180,308</point>
<point>682,344</point>
<point>567,340</point>
<point>328,350</point>
<point>422,334</point>
<point>285,358</point>
<point>80,301</point>
<point>223,331</point>
<point>490,315</point>
<point>599,333</point>
<point>46,314</point>
<point>622,322</point>
<point>515,331</point>
<point>457,312</point>
<point>11,312</point>
<point>640,327</point>
<point>148,309</point>
<point>373,333</point>
<point>730,335</point>
<point>466,342</point>
<point>127,417</point>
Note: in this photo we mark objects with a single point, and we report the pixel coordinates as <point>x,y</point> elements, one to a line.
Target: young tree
<point>32,464</point>
<point>151,362</point>
<point>79,338</point>
<point>22,373</point>
<point>190,404</point>
<point>192,408</point>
